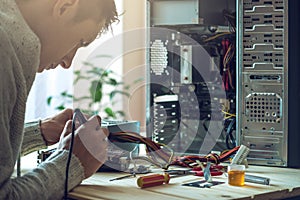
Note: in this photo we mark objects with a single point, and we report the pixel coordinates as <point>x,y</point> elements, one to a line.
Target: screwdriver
<point>123,177</point>
<point>153,180</point>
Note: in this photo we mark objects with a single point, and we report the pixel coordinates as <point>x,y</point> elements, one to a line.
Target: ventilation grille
<point>275,59</point>
<point>263,108</point>
<point>250,21</point>
<point>250,39</point>
<point>250,4</point>
<point>158,57</point>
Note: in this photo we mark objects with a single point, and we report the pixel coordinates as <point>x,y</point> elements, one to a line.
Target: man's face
<point>61,41</point>
<point>60,28</point>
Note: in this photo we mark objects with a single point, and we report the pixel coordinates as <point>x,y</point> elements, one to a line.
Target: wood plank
<point>284,183</point>
<point>99,186</point>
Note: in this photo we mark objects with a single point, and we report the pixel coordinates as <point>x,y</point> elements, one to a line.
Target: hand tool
<point>153,180</point>
<point>123,177</point>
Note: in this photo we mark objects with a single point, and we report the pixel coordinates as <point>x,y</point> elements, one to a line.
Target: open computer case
<point>222,73</point>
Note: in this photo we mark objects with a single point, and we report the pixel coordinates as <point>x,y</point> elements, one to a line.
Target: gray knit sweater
<point>19,59</point>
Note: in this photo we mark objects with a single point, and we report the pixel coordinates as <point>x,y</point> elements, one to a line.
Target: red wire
<point>153,147</point>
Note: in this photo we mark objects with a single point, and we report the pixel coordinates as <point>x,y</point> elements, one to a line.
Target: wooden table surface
<point>285,182</point>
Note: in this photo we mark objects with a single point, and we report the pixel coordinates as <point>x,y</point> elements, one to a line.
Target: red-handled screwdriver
<point>153,180</point>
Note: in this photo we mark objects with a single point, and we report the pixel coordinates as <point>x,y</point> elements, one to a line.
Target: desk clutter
<point>205,167</point>
<point>162,157</point>
<point>157,177</point>
<point>284,184</point>
<point>159,174</point>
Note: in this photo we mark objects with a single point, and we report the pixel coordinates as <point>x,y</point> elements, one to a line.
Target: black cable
<point>70,155</point>
<point>229,135</point>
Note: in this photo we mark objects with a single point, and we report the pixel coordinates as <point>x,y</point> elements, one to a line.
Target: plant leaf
<point>105,73</point>
<point>121,113</point>
<point>95,71</point>
<point>138,80</point>
<point>96,91</point>
<point>77,72</point>
<point>113,94</point>
<point>112,81</point>
<point>89,64</point>
<point>64,93</point>
<point>126,87</point>
<point>49,99</point>
<point>61,107</point>
<point>81,98</point>
<point>79,77</point>
<point>109,112</point>
<point>69,96</point>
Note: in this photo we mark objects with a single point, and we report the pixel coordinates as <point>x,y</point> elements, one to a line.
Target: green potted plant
<point>104,88</point>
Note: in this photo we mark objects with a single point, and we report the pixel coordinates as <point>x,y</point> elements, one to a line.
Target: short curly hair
<point>98,10</point>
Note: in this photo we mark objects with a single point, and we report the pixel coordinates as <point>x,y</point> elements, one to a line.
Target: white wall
<point>134,57</point>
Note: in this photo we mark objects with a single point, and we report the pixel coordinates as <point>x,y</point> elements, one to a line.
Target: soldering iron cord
<point>70,155</point>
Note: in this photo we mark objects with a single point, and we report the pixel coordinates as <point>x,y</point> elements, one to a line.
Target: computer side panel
<point>262,79</point>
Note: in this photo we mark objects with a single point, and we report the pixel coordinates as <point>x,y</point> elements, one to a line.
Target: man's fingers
<point>68,128</point>
<point>98,125</point>
<point>105,131</point>
<point>99,119</point>
<point>64,115</point>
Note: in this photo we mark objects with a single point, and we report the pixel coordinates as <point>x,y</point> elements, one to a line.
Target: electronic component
<point>240,155</point>
<point>166,119</point>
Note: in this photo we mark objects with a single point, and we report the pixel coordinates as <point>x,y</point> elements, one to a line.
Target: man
<point>37,35</point>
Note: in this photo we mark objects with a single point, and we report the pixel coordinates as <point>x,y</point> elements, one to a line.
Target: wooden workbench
<point>284,183</point>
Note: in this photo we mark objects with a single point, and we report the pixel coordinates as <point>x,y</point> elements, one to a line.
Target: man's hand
<point>90,144</point>
<point>52,128</point>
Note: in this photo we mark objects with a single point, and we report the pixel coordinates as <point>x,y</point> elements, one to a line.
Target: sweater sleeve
<point>32,140</point>
<point>47,180</point>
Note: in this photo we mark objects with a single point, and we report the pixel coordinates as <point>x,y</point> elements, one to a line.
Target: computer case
<point>293,143</point>
<point>267,91</point>
<point>223,73</point>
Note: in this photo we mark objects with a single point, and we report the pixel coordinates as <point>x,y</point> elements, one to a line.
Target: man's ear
<point>65,8</point>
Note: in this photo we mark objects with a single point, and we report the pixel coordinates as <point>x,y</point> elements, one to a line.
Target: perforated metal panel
<point>158,57</point>
<point>262,93</point>
<point>251,4</point>
<point>263,107</point>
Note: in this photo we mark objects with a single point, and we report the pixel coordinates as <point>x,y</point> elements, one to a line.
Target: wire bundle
<point>189,160</point>
<point>229,55</point>
<point>155,151</point>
